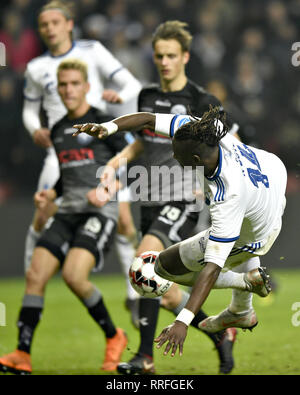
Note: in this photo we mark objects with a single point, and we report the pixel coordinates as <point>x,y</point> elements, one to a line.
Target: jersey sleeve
<point>168,124</point>
<point>107,64</point>
<point>111,68</point>
<point>32,91</point>
<point>226,221</point>
<point>58,187</point>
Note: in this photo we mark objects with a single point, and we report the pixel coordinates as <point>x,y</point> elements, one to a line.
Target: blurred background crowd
<point>241,52</point>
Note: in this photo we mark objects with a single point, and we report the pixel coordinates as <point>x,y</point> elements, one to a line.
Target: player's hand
<point>43,198</point>
<point>92,129</point>
<point>99,196</point>
<point>111,96</point>
<point>41,137</point>
<point>175,335</point>
<point>108,177</point>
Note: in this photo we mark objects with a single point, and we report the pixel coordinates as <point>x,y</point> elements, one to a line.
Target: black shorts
<point>92,231</point>
<point>170,223</point>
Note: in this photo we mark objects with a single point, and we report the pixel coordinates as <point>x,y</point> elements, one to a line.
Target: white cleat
<point>257,281</point>
<point>227,319</point>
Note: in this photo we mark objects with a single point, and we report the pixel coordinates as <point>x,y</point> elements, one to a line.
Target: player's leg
<point>160,229</point>
<point>142,362</point>
<point>81,259</point>
<point>240,312</point>
<point>156,225</point>
<point>47,179</point>
<point>175,302</point>
<point>223,340</point>
<point>125,244</point>
<point>183,261</point>
<point>44,265</point>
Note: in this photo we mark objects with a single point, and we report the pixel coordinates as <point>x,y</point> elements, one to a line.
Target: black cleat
<point>250,328</point>
<point>224,348</point>
<point>140,364</point>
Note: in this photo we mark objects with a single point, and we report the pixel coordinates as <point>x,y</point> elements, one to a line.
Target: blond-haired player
<point>80,232</point>
<point>55,25</point>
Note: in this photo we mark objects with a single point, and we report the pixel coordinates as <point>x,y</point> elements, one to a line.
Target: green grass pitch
<point>68,342</point>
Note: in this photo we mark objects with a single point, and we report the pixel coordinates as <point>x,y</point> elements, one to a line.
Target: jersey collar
<point>64,54</point>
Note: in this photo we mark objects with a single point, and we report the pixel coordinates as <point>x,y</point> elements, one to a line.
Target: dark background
<point>241,52</point>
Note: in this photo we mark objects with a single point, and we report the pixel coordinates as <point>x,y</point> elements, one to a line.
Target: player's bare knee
<point>35,278</point>
<point>74,282</point>
<point>71,280</point>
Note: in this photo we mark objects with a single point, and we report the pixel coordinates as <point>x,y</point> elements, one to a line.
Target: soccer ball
<point>143,278</point>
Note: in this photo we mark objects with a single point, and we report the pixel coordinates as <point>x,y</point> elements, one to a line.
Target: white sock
<point>30,243</point>
<point>230,280</point>
<point>241,301</point>
<point>126,254</point>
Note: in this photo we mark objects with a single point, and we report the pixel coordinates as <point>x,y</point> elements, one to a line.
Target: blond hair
<point>173,30</point>
<point>65,8</point>
<point>74,64</point>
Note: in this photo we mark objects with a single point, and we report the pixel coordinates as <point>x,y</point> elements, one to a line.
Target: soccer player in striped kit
<point>245,189</point>
<point>165,222</point>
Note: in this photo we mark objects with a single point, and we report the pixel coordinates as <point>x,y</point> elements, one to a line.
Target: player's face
<point>54,28</point>
<point>182,152</point>
<point>72,88</point>
<point>169,59</point>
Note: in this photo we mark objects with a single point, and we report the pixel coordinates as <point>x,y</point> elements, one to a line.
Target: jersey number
<point>255,175</point>
<point>172,213</point>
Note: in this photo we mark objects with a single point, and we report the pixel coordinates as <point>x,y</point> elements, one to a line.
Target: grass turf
<point>68,342</point>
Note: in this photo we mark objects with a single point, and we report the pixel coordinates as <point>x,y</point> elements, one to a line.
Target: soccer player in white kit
<point>55,27</point>
<point>245,188</point>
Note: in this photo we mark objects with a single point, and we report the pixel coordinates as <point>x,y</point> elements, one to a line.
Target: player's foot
<point>227,319</point>
<point>224,348</point>
<point>114,348</point>
<point>257,281</point>
<point>17,362</point>
<point>139,364</point>
<point>132,305</point>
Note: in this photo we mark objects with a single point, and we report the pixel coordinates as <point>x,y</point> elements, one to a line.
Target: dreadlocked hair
<point>206,130</point>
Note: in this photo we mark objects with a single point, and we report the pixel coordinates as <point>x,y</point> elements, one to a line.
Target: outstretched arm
<point>136,121</point>
<point>162,124</point>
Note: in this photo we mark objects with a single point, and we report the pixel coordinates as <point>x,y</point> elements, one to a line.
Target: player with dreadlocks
<point>245,190</point>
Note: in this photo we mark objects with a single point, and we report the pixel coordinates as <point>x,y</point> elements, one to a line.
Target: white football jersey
<point>245,196</point>
<point>41,80</point>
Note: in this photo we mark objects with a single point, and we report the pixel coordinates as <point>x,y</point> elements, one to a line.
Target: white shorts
<point>50,172</point>
<point>192,251</point>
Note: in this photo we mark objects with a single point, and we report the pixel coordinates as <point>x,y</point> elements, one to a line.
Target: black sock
<point>102,317</point>
<point>28,319</point>
<point>215,337</point>
<point>148,313</point>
